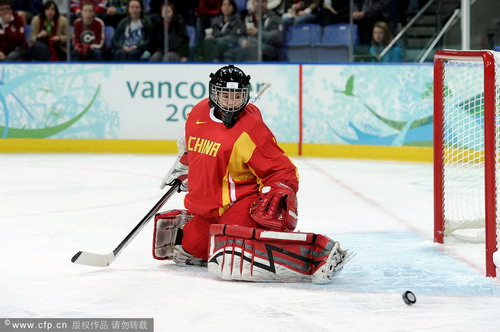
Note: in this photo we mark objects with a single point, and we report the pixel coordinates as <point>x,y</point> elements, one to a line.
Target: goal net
<point>466,143</point>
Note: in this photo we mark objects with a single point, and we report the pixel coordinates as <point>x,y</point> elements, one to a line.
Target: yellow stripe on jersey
<point>237,169</point>
<point>242,152</point>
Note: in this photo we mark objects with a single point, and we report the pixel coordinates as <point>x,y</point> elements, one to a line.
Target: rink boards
<point>350,111</point>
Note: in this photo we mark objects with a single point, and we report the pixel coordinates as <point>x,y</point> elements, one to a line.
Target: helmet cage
<point>230,99</point>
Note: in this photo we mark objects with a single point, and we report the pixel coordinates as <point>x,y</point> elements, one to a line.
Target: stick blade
<point>90,259</point>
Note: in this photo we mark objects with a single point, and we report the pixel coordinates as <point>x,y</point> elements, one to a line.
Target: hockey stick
<point>90,259</point>
<point>259,93</point>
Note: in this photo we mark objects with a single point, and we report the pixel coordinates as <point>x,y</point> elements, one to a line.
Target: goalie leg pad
<point>168,232</point>
<point>250,254</point>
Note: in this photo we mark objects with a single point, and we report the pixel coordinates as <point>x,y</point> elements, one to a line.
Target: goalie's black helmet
<point>229,92</point>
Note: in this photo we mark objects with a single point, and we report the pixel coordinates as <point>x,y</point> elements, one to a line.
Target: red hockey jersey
<point>12,34</point>
<point>227,164</point>
<point>92,34</point>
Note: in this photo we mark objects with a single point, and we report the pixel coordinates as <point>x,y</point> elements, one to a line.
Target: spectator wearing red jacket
<point>13,45</point>
<point>88,36</point>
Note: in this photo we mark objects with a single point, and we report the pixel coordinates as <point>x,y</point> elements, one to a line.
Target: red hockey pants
<point>196,232</point>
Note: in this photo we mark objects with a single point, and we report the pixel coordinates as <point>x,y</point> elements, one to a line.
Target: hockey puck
<point>409,298</point>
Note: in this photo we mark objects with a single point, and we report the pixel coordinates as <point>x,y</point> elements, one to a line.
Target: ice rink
<point>53,205</point>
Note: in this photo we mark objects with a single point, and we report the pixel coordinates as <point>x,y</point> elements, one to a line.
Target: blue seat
<point>241,5</point>
<point>147,8</point>
<point>27,33</point>
<point>334,43</point>
<point>109,31</point>
<point>338,34</point>
<point>304,34</point>
<point>191,31</point>
<point>300,41</point>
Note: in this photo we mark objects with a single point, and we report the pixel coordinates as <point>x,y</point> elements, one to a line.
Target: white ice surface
<point>52,206</point>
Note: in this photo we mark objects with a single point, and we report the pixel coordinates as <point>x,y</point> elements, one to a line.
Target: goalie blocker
<point>167,238</point>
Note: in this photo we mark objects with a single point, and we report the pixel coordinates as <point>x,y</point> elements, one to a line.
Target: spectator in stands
<point>300,12</point>
<point>27,9</point>
<point>116,11</point>
<point>365,14</point>
<point>272,32</point>
<point>207,9</point>
<point>333,12</point>
<point>382,37</point>
<point>184,8</point>
<point>13,46</point>
<point>88,36</point>
<point>76,8</point>
<point>131,39</point>
<point>226,29</point>
<point>49,34</point>
<point>178,39</point>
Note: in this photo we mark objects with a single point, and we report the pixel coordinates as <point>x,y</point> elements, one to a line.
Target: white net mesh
<point>463,140</point>
<point>463,146</point>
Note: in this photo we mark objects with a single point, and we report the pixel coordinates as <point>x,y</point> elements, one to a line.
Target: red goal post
<point>466,144</point>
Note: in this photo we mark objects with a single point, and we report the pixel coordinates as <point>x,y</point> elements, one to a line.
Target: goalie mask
<point>229,92</point>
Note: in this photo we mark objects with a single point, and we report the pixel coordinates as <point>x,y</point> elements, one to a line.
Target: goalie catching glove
<point>179,171</point>
<point>276,208</point>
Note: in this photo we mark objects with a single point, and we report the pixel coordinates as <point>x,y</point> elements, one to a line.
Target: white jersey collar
<point>212,115</point>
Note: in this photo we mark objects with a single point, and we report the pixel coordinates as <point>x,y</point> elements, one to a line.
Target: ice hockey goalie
<point>241,197</point>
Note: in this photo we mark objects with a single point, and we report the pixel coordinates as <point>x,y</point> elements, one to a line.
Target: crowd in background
<point>194,30</point>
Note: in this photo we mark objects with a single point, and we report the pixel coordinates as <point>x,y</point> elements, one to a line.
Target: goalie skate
<point>334,264</point>
<point>182,257</point>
